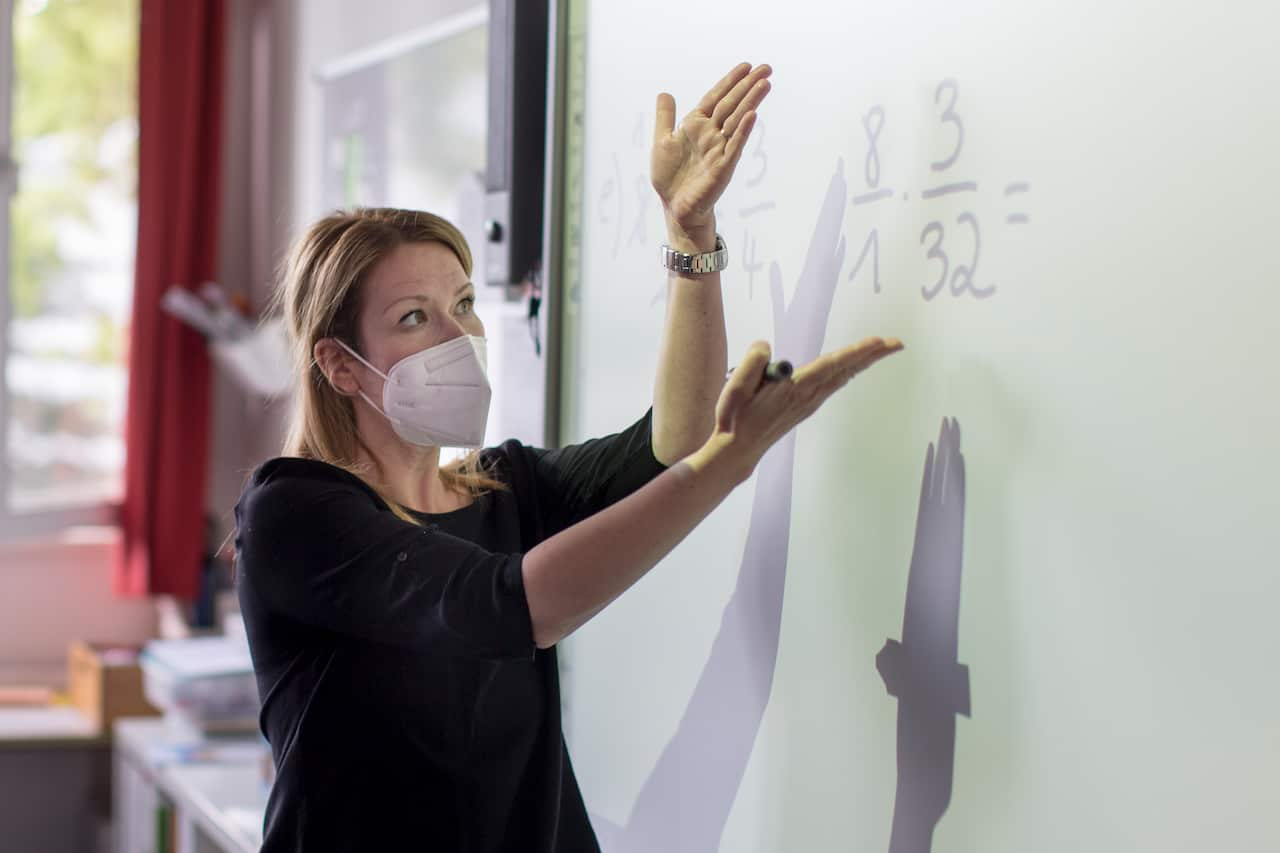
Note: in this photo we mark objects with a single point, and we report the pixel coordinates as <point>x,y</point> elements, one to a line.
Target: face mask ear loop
<point>360,358</point>
<point>373,405</point>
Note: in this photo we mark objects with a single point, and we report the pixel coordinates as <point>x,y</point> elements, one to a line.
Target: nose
<point>451,328</point>
<point>456,325</point>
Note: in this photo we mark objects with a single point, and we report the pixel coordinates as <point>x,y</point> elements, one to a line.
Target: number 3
<point>949,116</point>
<point>935,252</point>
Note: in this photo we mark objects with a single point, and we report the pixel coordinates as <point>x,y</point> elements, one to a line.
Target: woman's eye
<point>465,306</point>
<point>413,318</point>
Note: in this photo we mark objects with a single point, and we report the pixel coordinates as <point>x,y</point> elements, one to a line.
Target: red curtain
<point>180,88</point>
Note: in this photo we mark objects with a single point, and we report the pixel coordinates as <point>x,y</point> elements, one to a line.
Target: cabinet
<point>176,793</point>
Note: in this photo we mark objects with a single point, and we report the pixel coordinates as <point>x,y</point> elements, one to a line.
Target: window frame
<point>43,523</point>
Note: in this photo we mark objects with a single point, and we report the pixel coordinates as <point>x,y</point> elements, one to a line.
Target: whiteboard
<point>1065,483</point>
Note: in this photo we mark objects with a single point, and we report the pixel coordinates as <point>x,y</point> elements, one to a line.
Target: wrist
<point>720,459</point>
<point>692,237</point>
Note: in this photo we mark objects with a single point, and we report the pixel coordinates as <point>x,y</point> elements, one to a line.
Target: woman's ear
<point>337,366</point>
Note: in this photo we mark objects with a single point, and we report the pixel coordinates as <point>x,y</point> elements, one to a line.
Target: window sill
<point>69,526</point>
<point>21,548</point>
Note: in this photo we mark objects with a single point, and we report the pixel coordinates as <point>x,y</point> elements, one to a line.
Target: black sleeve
<point>324,552</point>
<point>579,480</point>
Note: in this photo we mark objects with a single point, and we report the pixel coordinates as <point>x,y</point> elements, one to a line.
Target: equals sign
<point>1017,188</point>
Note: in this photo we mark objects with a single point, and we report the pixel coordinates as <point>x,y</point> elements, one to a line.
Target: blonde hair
<point>320,295</point>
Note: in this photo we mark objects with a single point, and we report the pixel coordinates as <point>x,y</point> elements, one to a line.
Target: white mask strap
<point>343,344</point>
<point>372,404</point>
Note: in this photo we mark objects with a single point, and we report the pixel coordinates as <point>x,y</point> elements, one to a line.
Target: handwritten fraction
<point>950,247</point>
<point>753,170</point>
<point>957,275</point>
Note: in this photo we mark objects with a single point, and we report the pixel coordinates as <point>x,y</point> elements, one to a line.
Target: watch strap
<point>699,263</point>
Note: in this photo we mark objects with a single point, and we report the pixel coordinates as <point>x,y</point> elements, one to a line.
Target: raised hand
<point>691,164</point>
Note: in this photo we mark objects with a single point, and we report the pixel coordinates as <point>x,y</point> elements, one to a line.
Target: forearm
<point>692,357</point>
<point>576,573</point>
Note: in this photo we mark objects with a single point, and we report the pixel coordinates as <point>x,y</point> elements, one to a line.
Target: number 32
<point>962,275</point>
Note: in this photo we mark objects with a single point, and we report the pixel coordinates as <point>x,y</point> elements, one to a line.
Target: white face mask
<point>438,397</point>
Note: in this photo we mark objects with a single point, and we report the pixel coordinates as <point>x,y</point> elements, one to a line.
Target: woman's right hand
<point>571,576</point>
<point>752,413</point>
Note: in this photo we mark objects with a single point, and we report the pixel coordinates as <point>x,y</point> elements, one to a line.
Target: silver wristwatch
<point>697,264</point>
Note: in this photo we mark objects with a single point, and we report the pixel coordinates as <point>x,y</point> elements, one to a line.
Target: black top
<point>405,702</point>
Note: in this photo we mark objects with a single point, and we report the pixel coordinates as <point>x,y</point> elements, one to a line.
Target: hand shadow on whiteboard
<point>684,804</point>
<point>922,670</point>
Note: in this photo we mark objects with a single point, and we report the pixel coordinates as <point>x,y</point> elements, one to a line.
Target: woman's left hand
<point>692,163</point>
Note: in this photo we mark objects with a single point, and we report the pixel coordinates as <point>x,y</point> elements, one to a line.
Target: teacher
<point>403,615</point>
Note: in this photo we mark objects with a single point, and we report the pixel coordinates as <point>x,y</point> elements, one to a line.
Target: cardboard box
<point>105,682</point>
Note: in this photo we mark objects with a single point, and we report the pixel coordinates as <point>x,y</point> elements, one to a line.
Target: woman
<point>403,616</point>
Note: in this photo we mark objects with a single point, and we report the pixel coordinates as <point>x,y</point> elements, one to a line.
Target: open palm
<point>692,164</point>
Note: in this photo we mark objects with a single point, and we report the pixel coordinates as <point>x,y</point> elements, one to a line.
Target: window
<point>68,149</point>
